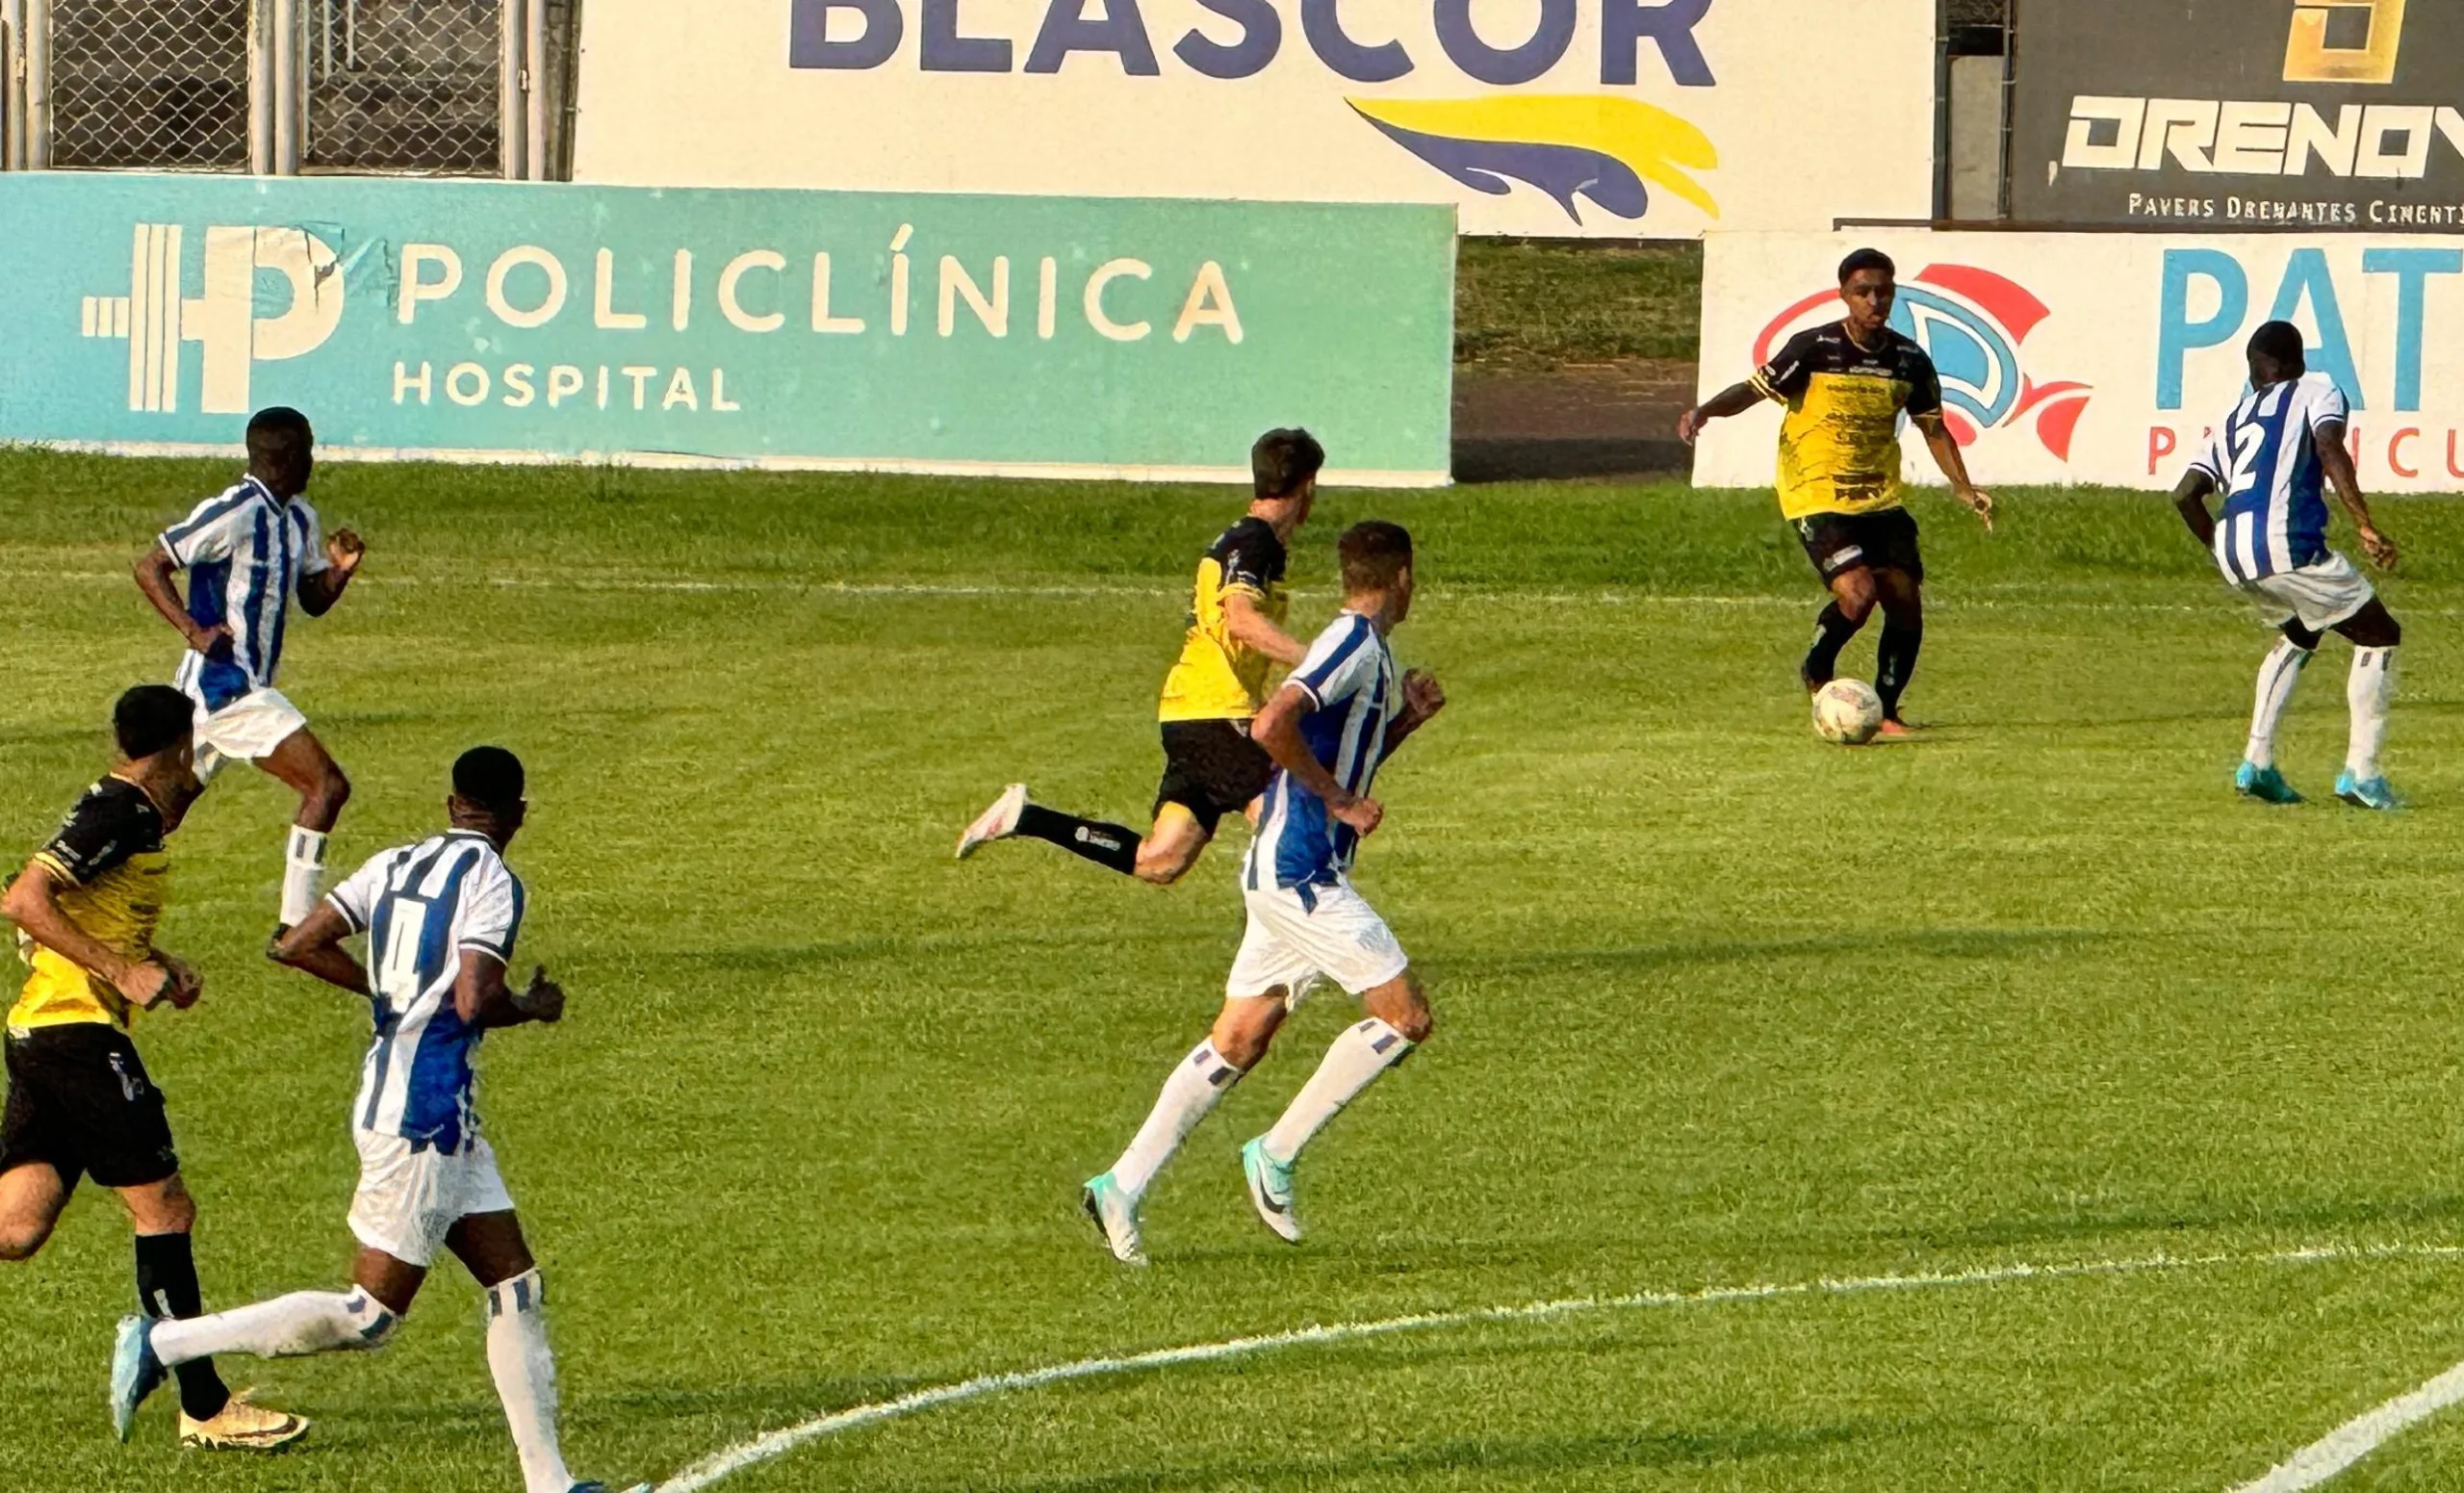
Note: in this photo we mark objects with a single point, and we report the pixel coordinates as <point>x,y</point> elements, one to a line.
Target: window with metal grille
<point>150,84</point>
<point>403,86</point>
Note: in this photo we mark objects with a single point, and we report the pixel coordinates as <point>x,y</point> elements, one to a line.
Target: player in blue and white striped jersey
<point>2273,459</point>
<point>248,552</point>
<point>1330,727</point>
<point>441,918</point>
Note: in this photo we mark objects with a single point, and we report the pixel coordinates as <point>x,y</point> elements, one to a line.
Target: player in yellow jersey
<point>1846,386</point>
<point>80,1102</point>
<point>1235,637</point>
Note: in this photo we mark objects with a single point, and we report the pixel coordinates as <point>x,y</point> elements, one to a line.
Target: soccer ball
<point>1847,713</point>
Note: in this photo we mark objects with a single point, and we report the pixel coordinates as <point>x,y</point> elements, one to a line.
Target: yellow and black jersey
<point>1216,678</point>
<point>1840,440</point>
<point>113,876</point>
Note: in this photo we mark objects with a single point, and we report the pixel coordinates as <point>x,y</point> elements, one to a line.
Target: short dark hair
<point>1373,553</point>
<point>2277,340</point>
<point>488,777</point>
<point>1867,259</point>
<point>278,429</point>
<point>151,718</point>
<point>1283,461</point>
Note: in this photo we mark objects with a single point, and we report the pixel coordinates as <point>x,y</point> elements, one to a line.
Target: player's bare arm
<point>2337,462</point>
<point>1947,455</point>
<point>1278,728</point>
<point>319,592</point>
<point>1253,628</point>
<point>154,570</point>
<point>33,904</point>
<point>316,947</point>
<point>1734,400</point>
<point>1422,698</point>
<point>2190,501</point>
<point>482,998</point>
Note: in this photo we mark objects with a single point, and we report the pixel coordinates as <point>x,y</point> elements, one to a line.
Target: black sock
<point>1831,631</point>
<point>1106,844</point>
<point>166,1287</point>
<point>1897,662</point>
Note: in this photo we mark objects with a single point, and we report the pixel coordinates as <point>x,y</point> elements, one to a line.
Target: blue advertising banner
<point>490,320</point>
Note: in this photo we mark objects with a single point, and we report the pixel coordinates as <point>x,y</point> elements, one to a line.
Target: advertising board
<point>2227,115</point>
<point>2107,358</point>
<point>500,320</point>
<point>1624,118</point>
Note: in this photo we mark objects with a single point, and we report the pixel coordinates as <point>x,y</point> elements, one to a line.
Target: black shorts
<point>1212,768</point>
<point>79,1098</point>
<point>1885,539</point>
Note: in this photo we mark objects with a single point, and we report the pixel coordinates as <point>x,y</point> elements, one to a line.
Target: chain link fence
<point>555,77</point>
<point>150,84</point>
<point>403,86</point>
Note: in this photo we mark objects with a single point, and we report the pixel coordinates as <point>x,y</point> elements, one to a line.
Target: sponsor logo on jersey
<point>1972,323</point>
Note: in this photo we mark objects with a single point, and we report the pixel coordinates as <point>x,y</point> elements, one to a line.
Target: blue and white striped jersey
<point>245,553</point>
<point>2275,509</point>
<point>1350,679</point>
<point>421,905</point>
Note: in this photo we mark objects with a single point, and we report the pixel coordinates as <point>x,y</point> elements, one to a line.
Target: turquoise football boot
<point>2375,793</point>
<point>1115,1214</point>
<point>136,1371</point>
<point>1270,1190</point>
<point>2263,784</point>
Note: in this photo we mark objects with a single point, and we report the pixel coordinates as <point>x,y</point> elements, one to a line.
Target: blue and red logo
<point>1972,324</point>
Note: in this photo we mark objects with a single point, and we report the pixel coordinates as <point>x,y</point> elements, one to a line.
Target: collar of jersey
<point>251,479</point>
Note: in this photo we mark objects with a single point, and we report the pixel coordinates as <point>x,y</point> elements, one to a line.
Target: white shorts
<point>2321,595</point>
<point>245,730</point>
<point>1292,945</point>
<point>408,1199</point>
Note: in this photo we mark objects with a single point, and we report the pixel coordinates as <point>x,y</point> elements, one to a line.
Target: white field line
<point>778,1443</point>
<point>2356,1438</point>
<point>1482,595</point>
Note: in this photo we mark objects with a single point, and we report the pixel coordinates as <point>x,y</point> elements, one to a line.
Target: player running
<point>441,918</point>
<point>2268,460</point>
<point>1339,717</point>
<point>1210,765</point>
<point>80,1101</point>
<point>1846,386</point>
<point>247,554</point>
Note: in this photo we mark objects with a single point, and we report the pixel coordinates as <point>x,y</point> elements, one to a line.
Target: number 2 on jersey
<point>2247,441</point>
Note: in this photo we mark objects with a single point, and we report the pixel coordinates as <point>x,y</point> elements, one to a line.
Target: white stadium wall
<point>1621,118</point>
<point>2105,358</point>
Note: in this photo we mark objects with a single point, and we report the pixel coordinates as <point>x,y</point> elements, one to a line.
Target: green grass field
<point>1718,1006</point>
<point>1530,305</point>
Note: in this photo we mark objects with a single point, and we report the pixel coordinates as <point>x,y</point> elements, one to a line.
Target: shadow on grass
<point>2310,1221</point>
<point>782,959</point>
<point>1576,1459</point>
<point>1926,943</point>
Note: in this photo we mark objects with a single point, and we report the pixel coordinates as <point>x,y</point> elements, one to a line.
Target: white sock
<point>306,1322</point>
<point>303,875</point>
<point>2278,673</point>
<point>1189,1094</point>
<point>2370,689</point>
<point>1365,1050</point>
<point>525,1375</point>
